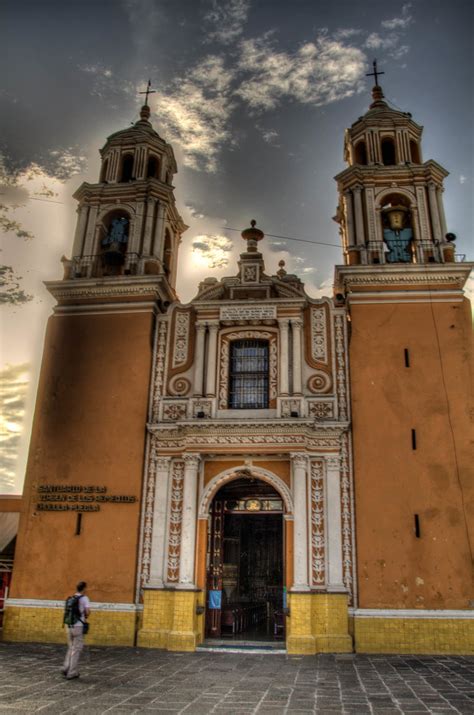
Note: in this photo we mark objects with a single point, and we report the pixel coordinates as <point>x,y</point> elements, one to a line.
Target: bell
<point>113,255</point>
<point>396,216</point>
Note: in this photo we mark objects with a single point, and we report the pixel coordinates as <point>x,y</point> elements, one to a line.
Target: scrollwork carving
<point>319,382</point>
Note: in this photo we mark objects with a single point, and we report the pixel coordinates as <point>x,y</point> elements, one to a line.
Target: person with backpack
<point>76,613</point>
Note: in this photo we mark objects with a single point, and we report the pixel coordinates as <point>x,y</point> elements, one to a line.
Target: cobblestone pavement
<point>129,680</point>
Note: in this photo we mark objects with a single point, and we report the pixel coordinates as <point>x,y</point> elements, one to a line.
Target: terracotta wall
<point>392,481</point>
<point>89,429</point>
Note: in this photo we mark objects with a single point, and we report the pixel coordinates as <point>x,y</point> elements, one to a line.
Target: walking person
<point>76,613</point>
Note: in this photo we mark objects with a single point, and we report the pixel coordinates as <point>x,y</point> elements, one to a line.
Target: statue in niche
<point>397,237</point>
<point>117,234</point>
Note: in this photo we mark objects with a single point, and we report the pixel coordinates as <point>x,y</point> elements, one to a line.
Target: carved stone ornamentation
<point>147,529</point>
<point>319,382</point>
<point>175,521</point>
<point>318,526</point>
<point>250,274</point>
<point>289,406</point>
<point>202,409</point>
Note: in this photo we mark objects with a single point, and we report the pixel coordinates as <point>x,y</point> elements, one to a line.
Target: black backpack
<point>72,613</point>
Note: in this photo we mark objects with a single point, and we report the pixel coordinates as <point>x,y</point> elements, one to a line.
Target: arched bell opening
<point>168,254</point>
<point>153,168</point>
<point>113,241</point>
<point>415,152</point>
<point>126,168</point>
<point>245,580</point>
<point>388,151</point>
<point>398,235</point>
<point>103,173</point>
<point>360,153</point>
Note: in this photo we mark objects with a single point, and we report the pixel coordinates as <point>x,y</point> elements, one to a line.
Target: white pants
<point>75,642</point>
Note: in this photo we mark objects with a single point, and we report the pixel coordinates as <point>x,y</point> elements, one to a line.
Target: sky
<point>254,96</point>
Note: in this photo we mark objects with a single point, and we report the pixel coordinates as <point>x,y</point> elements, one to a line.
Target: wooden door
<point>215,570</point>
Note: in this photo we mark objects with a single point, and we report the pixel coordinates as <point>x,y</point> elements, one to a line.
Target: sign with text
<point>74,497</point>
<point>244,312</point>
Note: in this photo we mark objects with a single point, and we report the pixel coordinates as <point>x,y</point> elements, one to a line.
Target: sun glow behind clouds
<point>212,250</point>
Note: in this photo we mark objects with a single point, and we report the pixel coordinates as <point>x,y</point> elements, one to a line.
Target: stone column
<point>188,524</point>
<point>199,359</point>
<point>89,247</point>
<point>160,509</point>
<point>334,523</point>
<point>150,210</point>
<point>442,215</point>
<point>284,363</point>
<point>134,239</point>
<point>359,217</point>
<point>157,247</point>
<point>299,464</point>
<point>434,211</point>
<point>82,212</point>
<point>212,359</point>
<point>296,325</point>
<point>349,218</point>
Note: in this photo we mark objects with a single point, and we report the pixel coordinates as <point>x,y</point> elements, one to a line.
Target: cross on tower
<point>147,92</point>
<point>374,73</point>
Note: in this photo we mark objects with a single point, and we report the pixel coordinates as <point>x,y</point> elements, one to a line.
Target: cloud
<point>390,44</point>
<point>226,20</point>
<point>196,112</point>
<point>463,179</point>
<point>269,136</point>
<point>14,381</point>
<point>212,250</point>
<point>318,72</point>
<point>194,212</point>
<point>399,23</point>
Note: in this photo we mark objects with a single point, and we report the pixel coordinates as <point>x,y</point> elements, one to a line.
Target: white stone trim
<point>229,475</point>
<point>410,613</point>
<point>95,605</point>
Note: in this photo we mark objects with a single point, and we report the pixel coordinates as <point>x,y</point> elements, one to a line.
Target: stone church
<point>256,465</point>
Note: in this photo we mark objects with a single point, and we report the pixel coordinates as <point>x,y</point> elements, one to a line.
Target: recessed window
<point>126,173</point>
<point>388,151</point>
<point>360,153</point>
<point>248,379</point>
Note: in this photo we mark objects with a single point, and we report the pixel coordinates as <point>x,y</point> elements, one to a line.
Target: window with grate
<point>248,378</point>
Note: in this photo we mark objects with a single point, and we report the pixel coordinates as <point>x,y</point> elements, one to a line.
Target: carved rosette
<point>318,526</point>
<point>341,371</point>
<point>175,517</point>
<point>173,411</point>
<point>321,410</point>
<point>224,362</point>
<point>347,521</point>
<point>159,371</point>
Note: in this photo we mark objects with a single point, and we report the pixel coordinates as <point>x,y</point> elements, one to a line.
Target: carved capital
<point>163,464</point>
<point>296,323</point>
<point>213,325</point>
<point>283,323</point>
<point>201,327</point>
<point>333,462</point>
<point>299,460</point>
<point>192,461</point>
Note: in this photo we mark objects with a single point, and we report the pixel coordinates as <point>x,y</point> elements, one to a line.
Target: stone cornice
<point>402,173</point>
<point>110,289</point>
<point>402,277</point>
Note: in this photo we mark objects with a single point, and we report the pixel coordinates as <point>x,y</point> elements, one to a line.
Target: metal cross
<point>374,73</point>
<point>148,91</point>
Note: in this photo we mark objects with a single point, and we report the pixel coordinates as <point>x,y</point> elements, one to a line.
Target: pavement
<point>137,680</point>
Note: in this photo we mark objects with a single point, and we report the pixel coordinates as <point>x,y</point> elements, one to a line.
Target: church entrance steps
<point>249,647</point>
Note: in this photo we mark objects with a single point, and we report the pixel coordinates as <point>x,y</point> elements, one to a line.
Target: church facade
<point>256,463</point>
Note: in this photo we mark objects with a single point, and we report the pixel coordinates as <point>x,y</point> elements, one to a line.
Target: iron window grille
<point>248,375</point>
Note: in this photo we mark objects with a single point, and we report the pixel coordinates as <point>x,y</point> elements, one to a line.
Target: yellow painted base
<point>170,620</point>
<point>45,625</point>
<point>318,623</point>
<point>429,636</point>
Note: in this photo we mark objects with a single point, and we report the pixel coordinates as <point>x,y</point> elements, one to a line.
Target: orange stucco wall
<point>392,481</point>
<point>89,429</point>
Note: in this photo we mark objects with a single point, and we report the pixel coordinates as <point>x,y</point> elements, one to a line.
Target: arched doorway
<point>245,580</point>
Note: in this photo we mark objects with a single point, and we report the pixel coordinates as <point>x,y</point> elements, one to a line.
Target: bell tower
<point>410,353</point>
<point>128,224</point>
<point>88,439</point>
<point>390,201</point>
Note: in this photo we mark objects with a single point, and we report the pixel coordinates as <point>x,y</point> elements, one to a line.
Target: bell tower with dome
<point>410,357</point>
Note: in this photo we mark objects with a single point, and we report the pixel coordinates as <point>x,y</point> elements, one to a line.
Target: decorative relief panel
<point>159,371</point>
<point>173,411</point>
<point>181,339</point>
<point>224,362</point>
<point>179,386</point>
<point>321,409</point>
<point>347,522</point>
<point>287,406</point>
<point>318,528</point>
<point>148,516</point>
<point>319,343</point>
<point>319,382</point>
<point>181,348</point>
<point>175,521</point>
<point>202,408</point>
<point>341,368</point>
